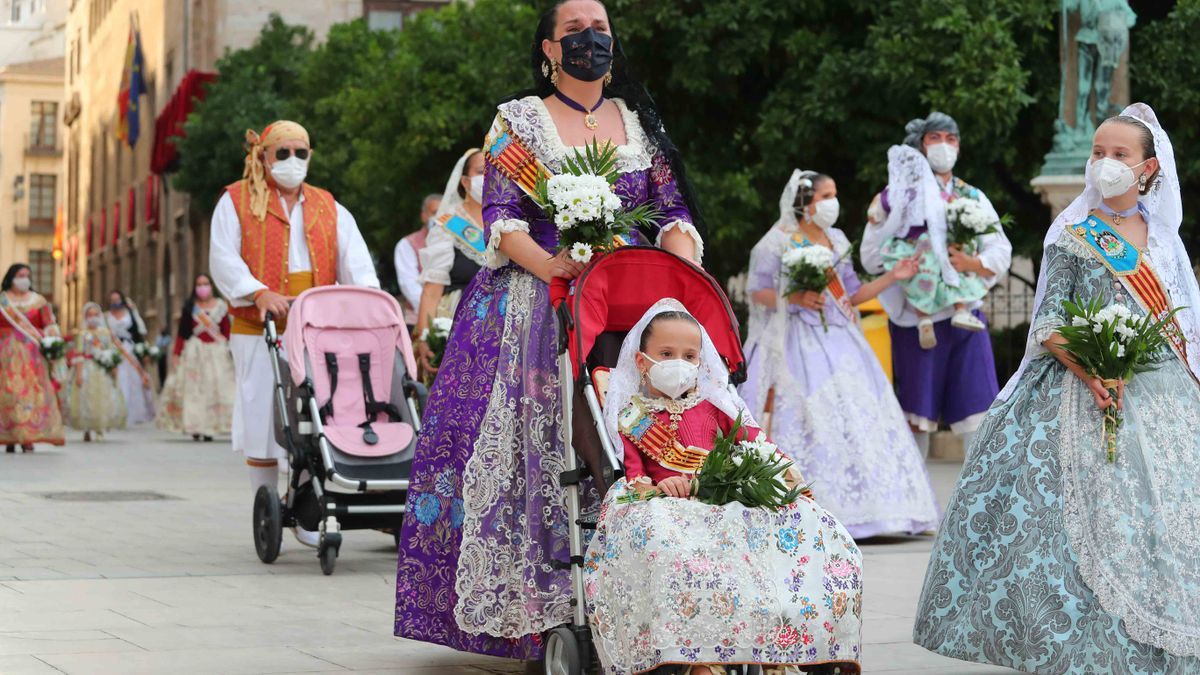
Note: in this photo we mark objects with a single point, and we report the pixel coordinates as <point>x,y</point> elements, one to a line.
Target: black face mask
<point>586,55</point>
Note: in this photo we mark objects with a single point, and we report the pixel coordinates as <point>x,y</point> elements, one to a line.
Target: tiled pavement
<point>173,586</point>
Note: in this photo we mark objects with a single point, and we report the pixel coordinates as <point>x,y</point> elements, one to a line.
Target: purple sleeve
<point>849,277</point>
<point>883,201</point>
<point>764,270</point>
<point>664,191</point>
<point>501,199</point>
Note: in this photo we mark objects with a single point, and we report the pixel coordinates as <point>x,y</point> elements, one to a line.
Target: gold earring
<point>545,69</point>
<point>608,78</point>
<point>554,73</point>
<point>1142,180</point>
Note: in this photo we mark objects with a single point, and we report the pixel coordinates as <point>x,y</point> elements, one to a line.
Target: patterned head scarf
<point>255,173</point>
<point>915,130</point>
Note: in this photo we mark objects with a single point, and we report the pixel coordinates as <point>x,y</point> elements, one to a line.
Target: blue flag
<point>137,87</point>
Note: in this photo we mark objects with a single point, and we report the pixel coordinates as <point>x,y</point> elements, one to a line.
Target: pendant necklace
<point>589,118</point>
<point>1120,216</point>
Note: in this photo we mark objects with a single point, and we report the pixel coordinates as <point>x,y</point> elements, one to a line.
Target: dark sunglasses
<point>283,153</point>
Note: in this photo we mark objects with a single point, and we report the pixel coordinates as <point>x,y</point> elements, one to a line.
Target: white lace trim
<point>968,425</point>
<point>688,229</point>
<point>491,581</point>
<point>1104,557</point>
<point>530,119</point>
<point>492,256</point>
<point>922,424</point>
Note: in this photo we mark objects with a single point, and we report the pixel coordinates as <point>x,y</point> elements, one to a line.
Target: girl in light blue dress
<point>1050,559</point>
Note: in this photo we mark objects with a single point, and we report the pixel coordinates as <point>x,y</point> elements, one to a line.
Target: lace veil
<point>625,381</point>
<point>1166,250</point>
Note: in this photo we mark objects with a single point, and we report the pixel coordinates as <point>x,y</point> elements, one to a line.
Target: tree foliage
<point>1166,74</point>
<point>748,90</point>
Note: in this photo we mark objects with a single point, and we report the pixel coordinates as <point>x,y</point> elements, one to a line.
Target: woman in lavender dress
<point>829,399</point>
<point>486,518</point>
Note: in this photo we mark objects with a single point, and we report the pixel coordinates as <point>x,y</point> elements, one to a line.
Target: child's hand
<point>907,268</point>
<point>808,300</point>
<point>676,486</point>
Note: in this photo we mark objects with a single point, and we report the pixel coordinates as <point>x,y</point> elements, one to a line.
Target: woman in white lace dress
<point>819,382</point>
<point>126,325</point>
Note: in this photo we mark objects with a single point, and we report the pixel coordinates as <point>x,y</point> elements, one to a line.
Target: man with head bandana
<point>274,236</point>
<point>952,379</point>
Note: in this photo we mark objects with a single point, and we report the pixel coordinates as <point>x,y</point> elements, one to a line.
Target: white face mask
<point>674,377</point>
<point>476,189</point>
<point>290,173</point>
<point>93,322</point>
<point>1112,177</point>
<point>21,284</point>
<point>941,156</point>
<point>825,212</point>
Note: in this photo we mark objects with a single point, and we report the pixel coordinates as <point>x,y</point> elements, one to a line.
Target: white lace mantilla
<point>530,119</point>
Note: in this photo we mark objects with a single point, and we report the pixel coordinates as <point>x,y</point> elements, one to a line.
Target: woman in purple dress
<point>486,521</point>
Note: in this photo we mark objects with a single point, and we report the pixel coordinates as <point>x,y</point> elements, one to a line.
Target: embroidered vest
<point>265,246</point>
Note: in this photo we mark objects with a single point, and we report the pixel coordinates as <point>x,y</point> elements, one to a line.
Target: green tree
<point>257,85</point>
<point>1166,74</point>
<point>752,90</point>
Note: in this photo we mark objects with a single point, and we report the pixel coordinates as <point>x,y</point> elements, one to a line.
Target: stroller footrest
<point>573,477</point>
<point>576,560</point>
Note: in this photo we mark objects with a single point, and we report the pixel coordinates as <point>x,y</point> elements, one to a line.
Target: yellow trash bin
<point>875,327</point>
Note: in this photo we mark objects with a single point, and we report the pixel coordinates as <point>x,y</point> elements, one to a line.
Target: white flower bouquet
<point>53,348</point>
<point>145,350</point>
<point>808,268</point>
<point>437,336</point>
<point>1111,344</point>
<point>752,473</point>
<point>966,221</point>
<point>108,359</point>
<point>581,203</point>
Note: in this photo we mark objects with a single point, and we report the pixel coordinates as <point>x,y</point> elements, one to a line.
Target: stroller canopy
<point>613,293</point>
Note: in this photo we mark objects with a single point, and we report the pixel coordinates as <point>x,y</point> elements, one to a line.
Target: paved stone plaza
<point>173,585</point>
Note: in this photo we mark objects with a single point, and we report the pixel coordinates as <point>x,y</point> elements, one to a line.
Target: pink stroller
<point>346,412</point>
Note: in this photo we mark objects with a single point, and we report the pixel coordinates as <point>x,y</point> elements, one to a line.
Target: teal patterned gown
<point>1050,559</point>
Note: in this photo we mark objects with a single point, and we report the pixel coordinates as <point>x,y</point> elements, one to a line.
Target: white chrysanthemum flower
<point>581,253</point>
<point>442,324</point>
<point>1080,321</point>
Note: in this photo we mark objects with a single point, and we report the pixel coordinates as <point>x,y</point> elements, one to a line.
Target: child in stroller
<point>671,584</point>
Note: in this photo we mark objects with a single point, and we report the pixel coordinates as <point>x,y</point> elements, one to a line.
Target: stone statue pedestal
<point>1058,191</point>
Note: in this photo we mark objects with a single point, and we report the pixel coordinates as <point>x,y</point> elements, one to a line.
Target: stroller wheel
<point>562,653</point>
<point>268,524</point>
<point>328,552</point>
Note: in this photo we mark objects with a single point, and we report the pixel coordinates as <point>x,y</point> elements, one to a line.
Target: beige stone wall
<point>20,86</point>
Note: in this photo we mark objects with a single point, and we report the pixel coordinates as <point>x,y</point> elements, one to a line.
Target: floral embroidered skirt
<point>94,402</point>
<point>678,581</point>
<point>198,395</point>
<point>29,410</point>
<point>927,291</point>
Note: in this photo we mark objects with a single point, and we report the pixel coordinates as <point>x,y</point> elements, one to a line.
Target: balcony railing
<point>42,147</point>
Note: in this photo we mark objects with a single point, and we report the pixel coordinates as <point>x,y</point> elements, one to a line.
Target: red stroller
<point>594,314</point>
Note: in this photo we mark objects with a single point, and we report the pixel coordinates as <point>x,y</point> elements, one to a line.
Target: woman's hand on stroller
<point>676,486</point>
<point>559,266</point>
<point>275,303</point>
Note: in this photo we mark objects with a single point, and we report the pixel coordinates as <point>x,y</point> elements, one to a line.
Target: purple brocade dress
<point>486,515</point>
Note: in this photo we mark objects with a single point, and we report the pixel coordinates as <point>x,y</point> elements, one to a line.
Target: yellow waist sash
<point>297,283</point>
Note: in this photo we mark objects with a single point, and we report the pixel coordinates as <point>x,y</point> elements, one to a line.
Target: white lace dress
<point>834,408</point>
<point>139,399</point>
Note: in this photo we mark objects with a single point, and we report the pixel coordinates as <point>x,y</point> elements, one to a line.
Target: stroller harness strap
<point>331,365</point>
<point>373,407</point>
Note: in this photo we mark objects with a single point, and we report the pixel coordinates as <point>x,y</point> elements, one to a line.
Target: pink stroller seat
<point>344,339</point>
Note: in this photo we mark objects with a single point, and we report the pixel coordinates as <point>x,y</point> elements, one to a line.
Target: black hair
<point>671,315</point>
<point>134,331</point>
<point>12,274</point>
<point>625,86</point>
<point>462,192</point>
<point>185,323</point>
<point>805,194</point>
<point>1147,139</point>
